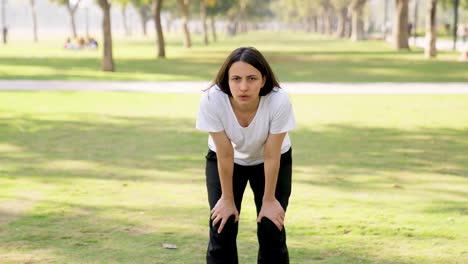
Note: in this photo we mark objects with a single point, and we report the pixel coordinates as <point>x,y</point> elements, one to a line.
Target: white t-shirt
<point>274,115</point>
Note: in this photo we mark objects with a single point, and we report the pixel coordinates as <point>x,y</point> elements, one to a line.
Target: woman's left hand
<point>272,210</point>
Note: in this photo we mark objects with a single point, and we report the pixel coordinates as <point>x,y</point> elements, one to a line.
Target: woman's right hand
<point>224,208</point>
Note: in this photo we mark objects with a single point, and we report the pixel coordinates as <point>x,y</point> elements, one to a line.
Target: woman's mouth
<point>244,97</point>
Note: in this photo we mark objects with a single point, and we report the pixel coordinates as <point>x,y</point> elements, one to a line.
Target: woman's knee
<point>268,232</point>
<point>230,228</point>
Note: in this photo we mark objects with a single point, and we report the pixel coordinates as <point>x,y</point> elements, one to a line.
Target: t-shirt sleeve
<point>282,114</point>
<point>208,118</point>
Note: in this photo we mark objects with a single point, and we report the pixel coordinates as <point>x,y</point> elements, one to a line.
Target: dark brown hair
<point>253,57</point>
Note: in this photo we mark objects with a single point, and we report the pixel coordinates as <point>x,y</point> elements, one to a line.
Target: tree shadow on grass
<point>304,66</point>
<point>173,144</point>
<point>188,69</point>
<point>107,234</point>
<point>124,148</point>
<point>345,150</point>
<point>427,161</point>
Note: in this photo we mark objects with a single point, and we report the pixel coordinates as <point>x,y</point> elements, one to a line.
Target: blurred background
<point>402,22</point>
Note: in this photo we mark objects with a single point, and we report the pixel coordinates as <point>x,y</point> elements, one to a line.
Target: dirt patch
<point>11,210</point>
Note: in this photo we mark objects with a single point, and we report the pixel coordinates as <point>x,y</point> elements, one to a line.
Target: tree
<point>431,30</point>
<point>144,11</point>
<point>216,8</point>
<point>342,11</point>
<point>326,10</point>
<point>157,5</point>
<point>184,6</point>
<point>400,25</point>
<point>304,11</point>
<point>203,15</point>
<point>123,9</point>
<point>357,26</point>
<point>415,21</point>
<point>71,8</point>
<point>4,26</point>
<point>107,63</point>
<point>32,3</point>
<point>455,4</point>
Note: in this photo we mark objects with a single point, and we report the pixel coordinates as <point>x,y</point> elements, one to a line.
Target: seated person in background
<point>91,43</point>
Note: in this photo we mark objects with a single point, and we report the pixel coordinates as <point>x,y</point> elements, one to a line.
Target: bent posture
<point>248,117</point>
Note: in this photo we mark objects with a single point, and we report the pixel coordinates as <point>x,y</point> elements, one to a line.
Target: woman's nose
<point>243,86</point>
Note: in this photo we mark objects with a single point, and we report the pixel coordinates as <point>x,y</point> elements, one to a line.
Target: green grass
<point>92,177</point>
<point>296,57</point>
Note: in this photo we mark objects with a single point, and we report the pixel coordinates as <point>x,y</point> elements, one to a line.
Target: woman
<point>248,118</point>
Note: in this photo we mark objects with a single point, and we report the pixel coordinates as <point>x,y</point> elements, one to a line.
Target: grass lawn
<point>92,177</point>
<point>295,56</point>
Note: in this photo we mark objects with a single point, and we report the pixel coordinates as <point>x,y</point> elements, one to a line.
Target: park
<point>94,176</point>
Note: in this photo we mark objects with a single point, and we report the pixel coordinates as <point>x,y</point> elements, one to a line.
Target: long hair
<point>253,57</point>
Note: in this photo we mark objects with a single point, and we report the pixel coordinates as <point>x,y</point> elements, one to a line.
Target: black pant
<point>222,247</point>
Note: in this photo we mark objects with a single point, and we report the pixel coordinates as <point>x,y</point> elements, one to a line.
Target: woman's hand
<point>224,208</point>
<point>272,210</point>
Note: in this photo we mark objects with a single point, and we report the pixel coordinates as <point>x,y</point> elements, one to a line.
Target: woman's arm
<point>225,207</point>
<point>271,208</point>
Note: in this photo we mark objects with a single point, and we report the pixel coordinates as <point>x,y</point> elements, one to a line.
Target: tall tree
<point>400,25</point>
<point>455,4</point>
<point>431,30</point>
<point>184,6</point>
<point>203,16</point>
<point>415,21</point>
<point>123,9</point>
<point>357,26</point>
<point>4,26</point>
<point>32,3</point>
<point>71,8</point>
<point>342,12</point>
<point>107,62</point>
<point>327,13</point>
<point>217,8</point>
<point>157,5</point>
<point>304,11</point>
<point>144,12</point>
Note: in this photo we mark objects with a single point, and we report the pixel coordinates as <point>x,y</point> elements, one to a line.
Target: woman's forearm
<point>225,169</point>
<point>271,176</point>
<point>272,156</point>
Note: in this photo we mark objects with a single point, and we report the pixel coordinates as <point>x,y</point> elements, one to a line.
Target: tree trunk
<point>72,11</point>
<point>34,19</point>
<point>157,4</point>
<point>184,8</point>
<point>241,19</point>
<point>357,26</point>
<point>385,26</point>
<point>400,25</point>
<point>321,22</point>
<point>213,28</point>
<point>107,63</point>
<point>314,25</point>
<point>143,19</point>
<point>124,20</point>
<point>203,20</point>
<point>431,30</point>
<point>415,21</point>
<point>456,3</point>
<point>340,31</point>
<point>326,21</point>
<point>4,26</point>
<point>348,27</point>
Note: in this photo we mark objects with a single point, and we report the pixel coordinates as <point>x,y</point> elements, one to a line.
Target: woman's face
<point>245,82</point>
